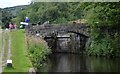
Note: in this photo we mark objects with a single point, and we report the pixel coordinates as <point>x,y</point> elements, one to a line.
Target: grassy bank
<point>0,40</point>
<point>19,57</point>
<point>38,51</point>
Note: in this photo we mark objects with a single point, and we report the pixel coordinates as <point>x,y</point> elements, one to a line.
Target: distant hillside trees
<point>53,12</point>
<point>9,14</point>
<point>6,19</point>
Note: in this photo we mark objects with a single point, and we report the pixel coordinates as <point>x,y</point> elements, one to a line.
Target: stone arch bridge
<point>63,37</point>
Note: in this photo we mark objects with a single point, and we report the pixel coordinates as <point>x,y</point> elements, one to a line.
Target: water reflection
<point>78,63</point>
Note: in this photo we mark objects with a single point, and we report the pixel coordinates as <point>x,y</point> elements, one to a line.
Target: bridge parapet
<point>50,29</point>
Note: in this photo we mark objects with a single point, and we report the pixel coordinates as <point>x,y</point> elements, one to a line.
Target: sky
<point>11,3</point>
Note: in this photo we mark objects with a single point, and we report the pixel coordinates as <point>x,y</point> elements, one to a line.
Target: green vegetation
<point>9,14</point>
<point>0,40</point>
<point>21,62</point>
<point>6,19</point>
<point>38,50</point>
<point>104,20</point>
<point>13,11</point>
<point>53,12</point>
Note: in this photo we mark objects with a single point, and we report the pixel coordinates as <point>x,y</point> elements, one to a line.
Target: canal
<point>66,58</point>
<point>63,62</point>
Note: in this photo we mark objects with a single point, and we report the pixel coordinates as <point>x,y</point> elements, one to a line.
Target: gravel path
<point>9,48</point>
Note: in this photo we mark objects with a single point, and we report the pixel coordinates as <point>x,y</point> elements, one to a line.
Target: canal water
<point>64,62</point>
<point>74,62</point>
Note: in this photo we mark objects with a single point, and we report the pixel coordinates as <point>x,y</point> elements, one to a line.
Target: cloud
<point>11,3</point>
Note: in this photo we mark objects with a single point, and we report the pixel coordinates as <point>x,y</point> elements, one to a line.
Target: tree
<point>53,12</point>
<point>104,20</point>
<point>6,19</point>
<point>107,14</point>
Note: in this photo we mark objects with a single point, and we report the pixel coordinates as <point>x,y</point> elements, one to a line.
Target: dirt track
<point>2,51</point>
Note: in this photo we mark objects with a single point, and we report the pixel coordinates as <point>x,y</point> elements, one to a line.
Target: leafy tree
<point>20,18</point>
<point>53,12</point>
<point>104,20</point>
<point>106,14</point>
<point>6,19</point>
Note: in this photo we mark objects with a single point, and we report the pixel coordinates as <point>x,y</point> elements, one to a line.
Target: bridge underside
<point>75,43</point>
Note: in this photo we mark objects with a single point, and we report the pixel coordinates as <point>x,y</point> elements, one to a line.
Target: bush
<point>105,45</point>
<point>38,51</point>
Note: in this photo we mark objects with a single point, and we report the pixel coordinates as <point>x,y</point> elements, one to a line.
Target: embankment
<point>38,50</point>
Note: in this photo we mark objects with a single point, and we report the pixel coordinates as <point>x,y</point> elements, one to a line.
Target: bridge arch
<point>55,36</point>
<point>78,34</point>
<point>75,43</point>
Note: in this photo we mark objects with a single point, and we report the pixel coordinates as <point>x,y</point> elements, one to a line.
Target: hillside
<point>52,12</point>
<point>14,11</point>
<point>10,13</point>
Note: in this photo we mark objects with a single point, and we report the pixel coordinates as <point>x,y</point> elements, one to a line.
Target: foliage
<point>53,12</point>
<point>106,14</point>
<point>9,14</point>
<point>105,46</point>
<point>21,18</point>
<point>102,17</point>
<point>6,19</point>
<point>38,50</point>
<point>104,20</point>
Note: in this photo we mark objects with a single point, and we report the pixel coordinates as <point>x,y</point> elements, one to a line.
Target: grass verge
<point>21,62</point>
<point>0,40</point>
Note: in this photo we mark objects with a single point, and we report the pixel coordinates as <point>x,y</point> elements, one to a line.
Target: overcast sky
<point>11,3</point>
